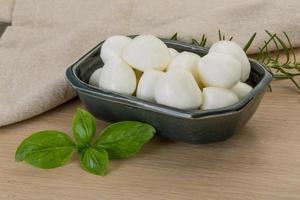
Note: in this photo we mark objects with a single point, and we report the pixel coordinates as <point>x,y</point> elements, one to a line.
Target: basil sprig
<point>124,139</point>
<point>50,149</point>
<point>46,149</point>
<point>84,127</point>
<point>94,160</point>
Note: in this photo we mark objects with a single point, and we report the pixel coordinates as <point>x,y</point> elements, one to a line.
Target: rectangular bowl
<point>194,126</point>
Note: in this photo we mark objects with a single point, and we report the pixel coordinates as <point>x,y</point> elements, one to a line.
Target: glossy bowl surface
<point>192,126</point>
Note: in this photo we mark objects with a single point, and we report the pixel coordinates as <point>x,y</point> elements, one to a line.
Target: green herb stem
<point>270,58</point>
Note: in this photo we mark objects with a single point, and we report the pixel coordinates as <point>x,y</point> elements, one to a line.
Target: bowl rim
<point>133,101</point>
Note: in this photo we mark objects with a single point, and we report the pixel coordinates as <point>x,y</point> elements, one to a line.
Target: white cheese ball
<point>113,47</point>
<point>187,61</point>
<point>95,78</point>
<point>117,76</point>
<point>147,52</point>
<point>233,49</point>
<point>219,70</point>
<point>214,97</point>
<point>241,89</point>
<point>177,88</point>
<point>173,53</point>
<point>147,84</point>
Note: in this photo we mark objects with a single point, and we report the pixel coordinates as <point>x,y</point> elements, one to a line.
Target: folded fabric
<point>6,9</point>
<point>47,36</point>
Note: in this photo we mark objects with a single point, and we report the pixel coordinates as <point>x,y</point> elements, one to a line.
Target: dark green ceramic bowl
<point>194,126</point>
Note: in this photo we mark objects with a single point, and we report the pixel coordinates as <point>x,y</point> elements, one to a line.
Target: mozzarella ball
<point>147,52</point>
<point>147,84</point>
<point>187,61</point>
<point>173,53</point>
<point>95,77</point>
<point>113,47</point>
<point>177,88</point>
<point>241,89</point>
<point>219,70</point>
<point>233,49</point>
<point>214,97</point>
<point>117,76</point>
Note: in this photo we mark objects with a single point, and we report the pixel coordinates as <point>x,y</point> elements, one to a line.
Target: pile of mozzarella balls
<point>144,66</point>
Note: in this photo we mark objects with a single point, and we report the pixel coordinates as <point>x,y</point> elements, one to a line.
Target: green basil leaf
<point>124,139</point>
<point>94,160</point>
<point>84,127</point>
<point>46,149</point>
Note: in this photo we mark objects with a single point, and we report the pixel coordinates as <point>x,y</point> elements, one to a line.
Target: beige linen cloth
<point>6,8</point>
<point>46,36</point>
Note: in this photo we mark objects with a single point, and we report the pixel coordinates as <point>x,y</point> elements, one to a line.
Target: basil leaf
<point>84,127</point>
<point>94,161</point>
<point>124,139</point>
<point>46,149</point>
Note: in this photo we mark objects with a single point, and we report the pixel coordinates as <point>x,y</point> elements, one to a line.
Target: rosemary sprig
<point>248,44</point>
<point>286,68</point>
<point>281,69</point>
<point>174,37</point>
<point>222,36</point>
<point>201,42</point>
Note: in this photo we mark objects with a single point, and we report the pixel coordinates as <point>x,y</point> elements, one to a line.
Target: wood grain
<point>260,162</point>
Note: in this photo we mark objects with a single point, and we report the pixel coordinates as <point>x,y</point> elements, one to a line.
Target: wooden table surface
<point>260,162</point>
